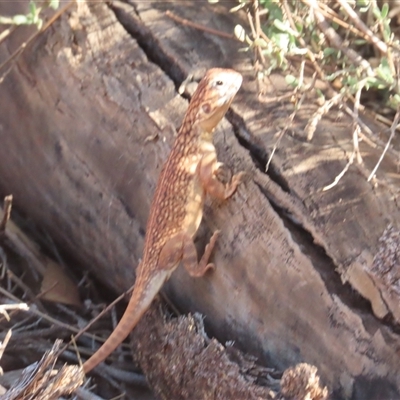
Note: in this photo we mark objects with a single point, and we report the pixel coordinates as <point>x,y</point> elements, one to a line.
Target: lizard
<point>189,174</point>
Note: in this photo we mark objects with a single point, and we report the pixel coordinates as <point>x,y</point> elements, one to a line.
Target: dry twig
<point>199,27</point>
<point>335,39</point>
<point>362,27</point>
<point>297,107</point>
<point>40,381</point>
<point>322,110</point>
<point>310,54</point>
<point>340,176</point>
<point>356,126</point>
<point>6,213</point>
<point>392,133</point>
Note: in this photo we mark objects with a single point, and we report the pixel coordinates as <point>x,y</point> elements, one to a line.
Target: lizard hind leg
<point>189,258</point>
<point>171,253</point>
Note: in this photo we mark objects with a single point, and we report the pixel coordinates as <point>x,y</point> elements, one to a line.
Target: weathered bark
<point>193,367</point>
<point>75,112</point>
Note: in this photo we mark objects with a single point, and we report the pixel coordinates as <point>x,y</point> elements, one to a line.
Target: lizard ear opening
<point>206,107</point>
<point>211,116</point>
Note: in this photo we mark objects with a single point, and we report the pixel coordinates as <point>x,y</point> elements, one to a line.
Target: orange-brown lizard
<point>176,211</point>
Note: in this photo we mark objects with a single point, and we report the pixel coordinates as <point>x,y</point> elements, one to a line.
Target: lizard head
<point>213,97</point>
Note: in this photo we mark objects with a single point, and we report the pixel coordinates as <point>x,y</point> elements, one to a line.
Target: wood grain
<point>75,113</point>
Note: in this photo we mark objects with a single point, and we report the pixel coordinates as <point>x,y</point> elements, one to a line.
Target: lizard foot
<point>236,180</point>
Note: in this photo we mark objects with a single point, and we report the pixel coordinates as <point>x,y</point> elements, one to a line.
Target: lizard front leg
<point>207,168</point>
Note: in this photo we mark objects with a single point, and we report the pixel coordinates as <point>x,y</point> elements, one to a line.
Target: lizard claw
<point>209,266</point>
<point>236,180</point>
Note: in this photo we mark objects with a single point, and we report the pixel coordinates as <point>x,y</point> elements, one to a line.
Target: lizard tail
<point>137,306</point>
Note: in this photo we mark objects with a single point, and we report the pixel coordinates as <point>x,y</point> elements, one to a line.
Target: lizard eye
<point>219,83</point>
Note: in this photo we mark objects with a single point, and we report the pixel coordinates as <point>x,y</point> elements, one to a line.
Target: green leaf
<point>384,72</point>
<point>328,51</point>
<point>274,10</point>
<point>364,5</point>
<point>371,81</point>
<point>299,26</point>
<point>351,81</point>
<point>298,51</point>
<point>54,4</point>
<point>276,13</point>
<point>32,8</point>
<point>377,12</point>
<point>385,10</point>
<point>281,60</point>
<point>291,80</point>
<point>387,32</point>
<point>268,4</point>
<point>394,101</point>
<point>284,27</point>
<point>320,94</point>
<point>260,42</point>
<point>20,19</point>
<point>364,9</point>
<point>360,42</point>
<point>267,52</point>
<point>281,39</point>
<point>280,25</point>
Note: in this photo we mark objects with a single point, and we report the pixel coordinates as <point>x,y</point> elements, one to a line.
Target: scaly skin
<point>177,208</point>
